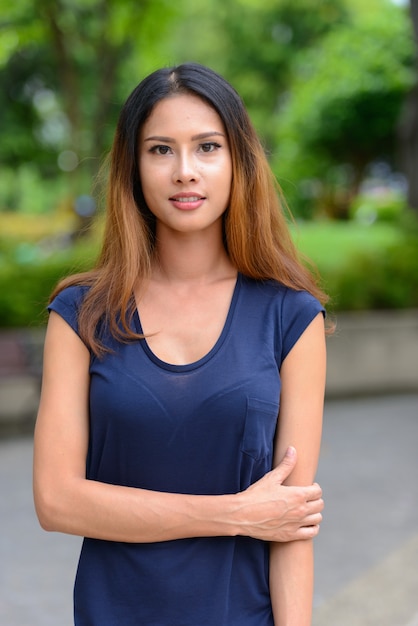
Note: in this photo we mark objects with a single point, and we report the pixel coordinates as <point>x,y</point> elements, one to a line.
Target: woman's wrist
<point>214,515</point>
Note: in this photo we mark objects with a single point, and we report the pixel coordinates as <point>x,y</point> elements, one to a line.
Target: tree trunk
<point>68,77</point>
<point>408,128</point>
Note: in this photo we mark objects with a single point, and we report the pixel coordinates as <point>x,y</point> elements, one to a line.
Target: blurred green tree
<point>254,44</point>
<point>343,109</point>
<point>63,67</point>
<point>323,79</point>
<point>324,83</point>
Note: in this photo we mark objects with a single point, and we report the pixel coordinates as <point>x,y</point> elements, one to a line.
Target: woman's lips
<point>187,202</point>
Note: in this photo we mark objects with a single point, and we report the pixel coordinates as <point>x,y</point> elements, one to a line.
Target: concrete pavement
<point>366,553</point>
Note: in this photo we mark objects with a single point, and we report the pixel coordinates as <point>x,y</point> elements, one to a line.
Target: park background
<point>332,88</point>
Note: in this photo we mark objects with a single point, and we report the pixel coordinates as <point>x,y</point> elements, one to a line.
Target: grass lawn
<point>331,245</point>
<point>328,244</point>
<point>358,266</point>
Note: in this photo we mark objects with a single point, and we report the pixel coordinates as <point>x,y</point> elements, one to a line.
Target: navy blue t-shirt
<point>203,428</point>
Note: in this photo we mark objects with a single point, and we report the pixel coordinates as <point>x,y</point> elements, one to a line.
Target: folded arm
<point>66,501</point>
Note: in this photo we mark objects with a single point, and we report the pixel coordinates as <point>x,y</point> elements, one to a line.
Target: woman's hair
<point>256,233</point>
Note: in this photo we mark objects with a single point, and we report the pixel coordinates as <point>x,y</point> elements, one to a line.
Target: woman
<point>179,372</point>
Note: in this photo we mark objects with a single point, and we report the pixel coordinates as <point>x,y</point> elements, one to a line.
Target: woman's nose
<point>185,169</point>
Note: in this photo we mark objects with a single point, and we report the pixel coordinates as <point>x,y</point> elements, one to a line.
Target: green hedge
<point>24,293</point>
<point>379,278</point>
<point>384,280</point>
<point>26,280</point>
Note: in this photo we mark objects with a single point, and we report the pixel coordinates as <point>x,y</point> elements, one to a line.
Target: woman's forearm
<point>291,582</point>
<point>267,510</point>
<point>115,513</point>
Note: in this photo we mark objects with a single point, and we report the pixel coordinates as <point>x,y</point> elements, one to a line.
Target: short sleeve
<point>67,304</point>
<point>299,308</point>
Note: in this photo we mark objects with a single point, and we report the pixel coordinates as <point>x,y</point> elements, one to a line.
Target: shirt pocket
<point>260,428</point>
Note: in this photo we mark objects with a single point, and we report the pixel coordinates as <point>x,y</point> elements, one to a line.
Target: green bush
<point>27,279</point>
<point>362,267</point>
<point>384,207</point>
<point>384,280</point>
<point>24,293</point>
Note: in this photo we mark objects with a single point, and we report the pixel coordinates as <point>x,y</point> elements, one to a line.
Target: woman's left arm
<point>300,425</point>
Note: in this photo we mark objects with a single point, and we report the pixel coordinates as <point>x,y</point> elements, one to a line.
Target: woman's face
<point>185,164</point>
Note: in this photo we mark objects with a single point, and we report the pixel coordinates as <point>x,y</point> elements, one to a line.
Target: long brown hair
<point>256,233</point>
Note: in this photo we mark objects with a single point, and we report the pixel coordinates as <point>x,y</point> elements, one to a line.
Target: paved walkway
<point>366,553</point>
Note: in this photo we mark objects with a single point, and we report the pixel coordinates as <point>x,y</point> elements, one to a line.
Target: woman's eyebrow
<point>206,135</point>
<point>160,138</point>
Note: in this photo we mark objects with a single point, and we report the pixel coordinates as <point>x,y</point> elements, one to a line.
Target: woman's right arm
<point>66,501</point>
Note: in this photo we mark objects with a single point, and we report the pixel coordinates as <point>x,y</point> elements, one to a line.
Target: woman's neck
<point>191,258</point>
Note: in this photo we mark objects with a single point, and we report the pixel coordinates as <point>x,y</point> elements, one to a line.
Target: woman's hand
<point>271,511</point>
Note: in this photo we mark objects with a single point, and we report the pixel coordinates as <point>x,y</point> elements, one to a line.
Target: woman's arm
<point>300,425</point>
<point>68,502</point>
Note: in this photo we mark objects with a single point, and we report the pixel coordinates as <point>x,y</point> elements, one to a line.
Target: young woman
<point>179,372</point>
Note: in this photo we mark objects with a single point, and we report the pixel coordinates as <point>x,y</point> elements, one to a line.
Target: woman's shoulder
<point>286,310</point>
<point>71,296</point>
<point>280,294</point>
<point>67,303</point>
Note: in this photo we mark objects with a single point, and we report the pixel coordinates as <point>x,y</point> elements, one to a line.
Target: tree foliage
<point>324,80</point>
<point>344,105</point>
<point>254,45</point>
<point>63,67</point>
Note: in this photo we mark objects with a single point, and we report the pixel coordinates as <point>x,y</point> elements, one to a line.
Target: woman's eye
<point>210,146</point>
<point>160,150</point>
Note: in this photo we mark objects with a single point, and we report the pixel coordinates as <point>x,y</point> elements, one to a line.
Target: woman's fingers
<point>275,512</point>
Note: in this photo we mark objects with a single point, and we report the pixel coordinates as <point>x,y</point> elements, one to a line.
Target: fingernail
<point>290,451</point>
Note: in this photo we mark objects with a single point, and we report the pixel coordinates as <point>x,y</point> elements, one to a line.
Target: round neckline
<point>172,367</point>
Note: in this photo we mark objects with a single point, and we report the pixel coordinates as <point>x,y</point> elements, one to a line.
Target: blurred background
<point>332,88</point>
